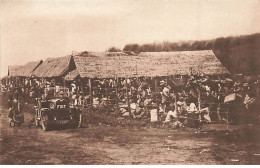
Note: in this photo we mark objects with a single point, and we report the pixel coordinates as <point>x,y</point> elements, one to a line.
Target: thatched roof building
<point>54,67</point>
<point>149,64</point>
<point>72,75</point>
<point>24,70</point>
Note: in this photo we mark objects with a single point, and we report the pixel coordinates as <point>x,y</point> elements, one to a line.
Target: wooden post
<point>128,103</point>
<point>156,97</point>
<point>117,105</point>
<point>81,85</point>
<point>83,93</point>
<point>228,114</point>
<point>90,93</point>
<point>199,106</point>
<point>105,82</point>
<point>176,107</point>
<point>64,82</point>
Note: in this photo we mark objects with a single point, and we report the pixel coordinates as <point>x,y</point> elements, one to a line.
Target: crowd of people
<point>168,99</point>
<point>196,98</point>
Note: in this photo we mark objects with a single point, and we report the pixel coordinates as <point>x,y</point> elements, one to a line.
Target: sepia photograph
<point>129,82</point>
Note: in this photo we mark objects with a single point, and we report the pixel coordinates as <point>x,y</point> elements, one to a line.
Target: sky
<point>32,30</point>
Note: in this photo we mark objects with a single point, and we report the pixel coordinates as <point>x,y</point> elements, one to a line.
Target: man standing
<point>15,111</point>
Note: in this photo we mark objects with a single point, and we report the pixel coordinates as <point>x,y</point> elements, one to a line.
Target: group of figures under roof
<point>184,88</point>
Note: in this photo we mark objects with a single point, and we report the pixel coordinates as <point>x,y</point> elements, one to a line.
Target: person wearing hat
<point>73,87</point>
<point>10,105</point>
<point>162,83</point>
<point>14,105</point>
<point>237,87</point>
<point>246,87</point>
<point>251,105</point>
<point>220,100</point>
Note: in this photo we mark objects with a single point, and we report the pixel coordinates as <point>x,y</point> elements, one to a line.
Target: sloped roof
<point>151,64</point>
<point>3,77</point>
<point>72,75</point>
<point>24,70</point>
<point>14,70</point>
<point>53,67</point>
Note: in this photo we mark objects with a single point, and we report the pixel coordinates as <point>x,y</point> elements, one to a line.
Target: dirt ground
<point>214,144</point>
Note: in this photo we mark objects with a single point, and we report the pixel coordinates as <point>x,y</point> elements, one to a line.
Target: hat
<point>236,84</point>
<point>133,106</point>
<point>246,84</point>
<point>162,82</point>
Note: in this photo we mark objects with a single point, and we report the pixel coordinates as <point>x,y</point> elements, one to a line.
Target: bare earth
<point>215,144</point>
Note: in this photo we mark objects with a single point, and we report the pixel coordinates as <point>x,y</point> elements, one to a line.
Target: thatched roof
<point>3,77</point>
<point>24,70</point>
<point>13,70</point>
<point>151,64</point>
<point>53,67</point>
<point>72,75</point>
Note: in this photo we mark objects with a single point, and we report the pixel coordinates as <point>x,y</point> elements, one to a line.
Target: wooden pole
<point>105,82</point>
<point>116,80</point>
<point>128,103</point>
<point>156,97</point>
<point>90,93</point>
<point>176,108</point>
<point>199,107</point>
<point>64,82</point>
<point>83,93</point>
<point>81,84</point>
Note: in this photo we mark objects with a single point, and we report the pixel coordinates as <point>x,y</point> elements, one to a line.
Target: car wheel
<point>44,123</point>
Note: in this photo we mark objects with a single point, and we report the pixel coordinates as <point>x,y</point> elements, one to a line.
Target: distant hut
<point>55,68</point>
<point>18,74</point>
<point>23,70</point>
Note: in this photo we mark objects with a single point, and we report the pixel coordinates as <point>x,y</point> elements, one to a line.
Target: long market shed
<point>147,64</point>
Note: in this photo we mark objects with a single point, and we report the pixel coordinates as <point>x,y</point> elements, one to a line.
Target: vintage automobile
<point>234,105</point>
<point>54,109</point>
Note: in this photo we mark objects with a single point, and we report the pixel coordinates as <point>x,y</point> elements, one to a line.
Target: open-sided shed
<point>147,64</point>
<point>54,67</point>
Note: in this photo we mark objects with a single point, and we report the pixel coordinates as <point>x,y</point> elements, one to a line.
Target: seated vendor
<point>172,113</point>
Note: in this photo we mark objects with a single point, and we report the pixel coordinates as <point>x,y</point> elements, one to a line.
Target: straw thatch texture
<point>4,77</point>
<point>24,70</point>
<point>72,75</point>
<point>53,67</point>
<point>151,64</point>
<point>13,70</point>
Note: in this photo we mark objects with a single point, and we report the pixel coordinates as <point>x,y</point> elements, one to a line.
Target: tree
<point>132,47</point>
<point>114,49</point>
